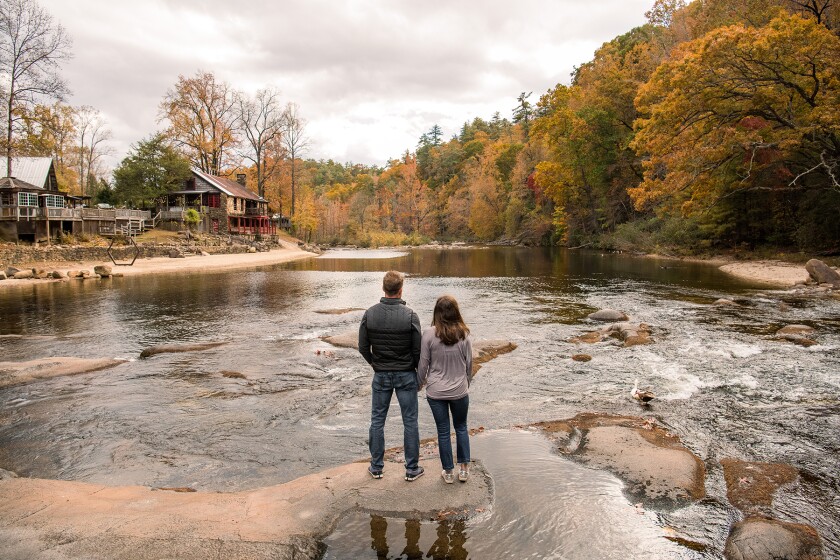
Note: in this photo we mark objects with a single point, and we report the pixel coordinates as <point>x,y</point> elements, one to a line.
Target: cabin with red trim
<point>223,205</point>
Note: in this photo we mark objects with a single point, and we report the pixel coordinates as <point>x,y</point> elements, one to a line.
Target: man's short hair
<point>392,283</point>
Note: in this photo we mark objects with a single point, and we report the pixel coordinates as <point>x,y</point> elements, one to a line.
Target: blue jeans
<point>383,386</point>
<point>440,411</point>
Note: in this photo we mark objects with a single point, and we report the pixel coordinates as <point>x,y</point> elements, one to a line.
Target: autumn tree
<point>202,117</point>
<point>152,168</point>
<point>296,143</point>
<point>50,131</point>
<point>261,123</point>
<point>32,48</point>
<point>742,108</point>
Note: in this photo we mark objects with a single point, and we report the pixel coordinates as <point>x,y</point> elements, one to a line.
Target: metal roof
<point>230,188</point>
<point>15,183</point>
<point>33,170</point>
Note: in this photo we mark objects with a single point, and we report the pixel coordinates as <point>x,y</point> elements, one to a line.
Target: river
<point>723,384</point>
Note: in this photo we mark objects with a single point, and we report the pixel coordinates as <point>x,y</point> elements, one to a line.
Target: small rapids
<point>277,402</point>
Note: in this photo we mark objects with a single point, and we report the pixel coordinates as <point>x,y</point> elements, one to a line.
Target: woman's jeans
<point>384,385</point>
<point>440,411</point>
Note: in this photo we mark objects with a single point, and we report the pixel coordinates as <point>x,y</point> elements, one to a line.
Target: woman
<point>446,370</point>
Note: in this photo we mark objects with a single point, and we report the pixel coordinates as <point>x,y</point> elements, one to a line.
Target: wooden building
<point>224,206</point>
<point>33,209</point>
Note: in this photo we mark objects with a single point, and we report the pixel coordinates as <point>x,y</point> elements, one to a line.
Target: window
<point>6,199</point>
<point>27,199</point>
<point>234,203</point>
<point>213,200</point>
<point>53,201</point>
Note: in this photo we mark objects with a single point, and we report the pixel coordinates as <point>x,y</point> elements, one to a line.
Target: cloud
<point>369,76</point>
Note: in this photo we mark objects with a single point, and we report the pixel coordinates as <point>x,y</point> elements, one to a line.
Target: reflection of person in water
<point>449,544</point>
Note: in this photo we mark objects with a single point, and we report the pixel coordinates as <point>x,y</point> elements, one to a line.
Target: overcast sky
<point>369,76</point>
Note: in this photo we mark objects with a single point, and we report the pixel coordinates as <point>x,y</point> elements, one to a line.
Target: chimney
<point>240,178</point>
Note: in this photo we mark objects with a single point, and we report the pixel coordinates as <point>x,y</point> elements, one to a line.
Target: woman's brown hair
<point>447,321</point>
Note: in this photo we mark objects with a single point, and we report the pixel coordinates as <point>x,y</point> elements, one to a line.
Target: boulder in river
<point>657,468</point>
<point>801,330</point>
<point>11,271</point>
<point>57,274</point>
<point>23,275</point>
<point>726,302</point>
<point>757,538</point>
<point>102,270</point>
<point>822,273</point>
<point>798,334</point>
<point>174,348</point>
<point>607,315</point>
<point>2,275</point>
<point>582,357</point>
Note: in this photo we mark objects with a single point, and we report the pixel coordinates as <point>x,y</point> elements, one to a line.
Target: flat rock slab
<point>757,538</point>
<point>17,373</point>
<point>56,520</point>
<point>175,348</point>
<point>750,486</point>
<point>657,468</point>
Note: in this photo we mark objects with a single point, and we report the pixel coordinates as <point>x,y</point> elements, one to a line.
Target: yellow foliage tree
<point>742,108</point>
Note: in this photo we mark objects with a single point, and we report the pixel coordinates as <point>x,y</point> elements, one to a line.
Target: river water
<point>723,384</point>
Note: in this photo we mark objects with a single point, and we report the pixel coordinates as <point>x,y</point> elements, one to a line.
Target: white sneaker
<point>448,476</point>
<point>463,475</point>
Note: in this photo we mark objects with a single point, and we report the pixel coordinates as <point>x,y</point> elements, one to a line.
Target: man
<point>389,339</point>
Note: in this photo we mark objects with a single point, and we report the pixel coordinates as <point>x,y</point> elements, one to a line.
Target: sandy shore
<point>163,265</point>
<point>772,273</point>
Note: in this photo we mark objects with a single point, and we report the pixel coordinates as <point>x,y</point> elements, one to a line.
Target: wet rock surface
<point>607,315</point>
<point>175,348</point>
<point>658,469</point>
<point>341,311</point>
<point>17,373</point>
<point>750,486</point>
<point>630,334</point>
<point>757,538</point>
<point>62,520</point>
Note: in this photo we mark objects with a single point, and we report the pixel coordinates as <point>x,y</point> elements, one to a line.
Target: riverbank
<point>771,273</point>
<point>287,252</point>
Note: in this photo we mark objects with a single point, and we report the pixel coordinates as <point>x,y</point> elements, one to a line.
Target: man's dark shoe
<point>414,475</point>
<point>373,473</point>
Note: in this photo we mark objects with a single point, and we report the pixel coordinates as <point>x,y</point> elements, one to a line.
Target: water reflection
<point>449,544</point>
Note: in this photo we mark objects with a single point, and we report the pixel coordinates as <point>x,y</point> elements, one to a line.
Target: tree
<point>92,134</point>
<point>202,119</point>
<point>523,112</point>
<point>742,109</point>
<point>434,135</point>
<point>295,142</point>
<point>261,122</point>
<point>152,168</point>
<point>31,50</point>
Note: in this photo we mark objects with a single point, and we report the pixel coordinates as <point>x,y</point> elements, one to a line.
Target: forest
<point>713,126</point>
<point>716,125</point>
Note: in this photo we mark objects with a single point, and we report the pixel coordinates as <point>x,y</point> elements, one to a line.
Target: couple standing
<point>404,359</point>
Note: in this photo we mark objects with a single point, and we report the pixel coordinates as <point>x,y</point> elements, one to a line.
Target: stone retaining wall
<point>11,255</point>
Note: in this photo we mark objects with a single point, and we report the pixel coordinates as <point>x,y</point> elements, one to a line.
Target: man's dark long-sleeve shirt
<point>389,336</point>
